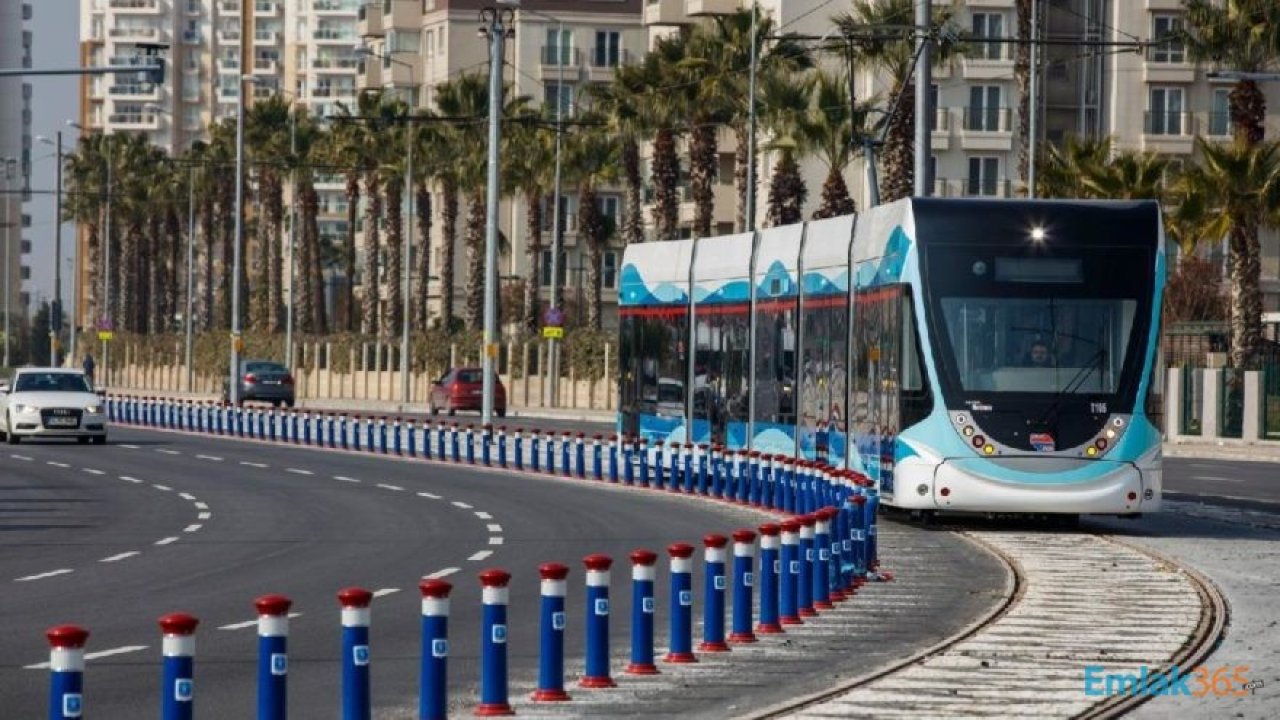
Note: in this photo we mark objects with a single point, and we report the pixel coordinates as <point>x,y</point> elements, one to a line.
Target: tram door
<point>876,384</point>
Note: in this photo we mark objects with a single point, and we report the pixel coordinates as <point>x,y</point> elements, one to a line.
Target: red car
<point>463,389</point>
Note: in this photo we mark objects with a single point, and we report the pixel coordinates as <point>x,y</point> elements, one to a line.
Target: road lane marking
<point>481,555</point>
<point>459,503</point>
<point>396,488</point>
<point>130,447</point>
<point>192,528</point>
<point>428,496</point>
<point>204,516</point>
<point>166,451</point>
<point>41,576</point>
<point>202,505</point>
<point>93,655</point>
<point>483,515</point>
<point>20,457</point>
<point>186,496</point>
<point>494,527</point>
<point>344,478</point>
<point>495,540</point>
<point>134,480</point>
<point>446,572</point>
<point>165,488</point>
<point>1215,478</point>
<point>385,591</point>
<point>299,471</point>
<point>253,464</point>
<point>166,541</point>
<point>121,556</point>
<point>93,471</point>
<point>250,623</point>
<point>58,464</point>
<point>214,458</point>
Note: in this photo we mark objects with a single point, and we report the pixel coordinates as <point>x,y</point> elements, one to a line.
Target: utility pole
<point>191,262</point>
<point>293,236</point>
<point>406,242</point>
<point>55,322</point>
<point>496,21</point>
<point>1034,102</point>
<point>924,82</point>
<point>8,234</point>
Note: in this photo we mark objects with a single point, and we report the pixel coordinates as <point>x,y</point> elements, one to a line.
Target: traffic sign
<point>105,335</point>
<point>553,333</point>
<point>553,317</point>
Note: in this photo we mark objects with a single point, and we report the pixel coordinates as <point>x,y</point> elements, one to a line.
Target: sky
<point>54,100</point>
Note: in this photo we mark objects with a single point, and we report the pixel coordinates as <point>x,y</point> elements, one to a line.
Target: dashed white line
<point>57,464</point>
<point>202,505</point>
<point>186,496</point>
<point>299,471</point>
<point>495,540</point>
<point>167,451</point>
<point>385,591</point>
<point>494,527</point>
<point>483,515</point>
<point>214,458</point>
<point>20,457</point>
<point>93,655</point>
<point>253,464</point>
<point>396,488</point>
<point>134,480</point>
<point>121,556</point>
<point>459,503</point>
<point>250,623</point>
<point>166,541</point>
<point>204,516</point>
<point>165,488</point>
<point>1216,478</point>
<point>428,496</point>
<point>446,572</point>
<point>480,555</point>
<point>130,447</point>
<point>344,478</point>
<point>41,576</point>
<point>192,528</point>
<point>93,471</point>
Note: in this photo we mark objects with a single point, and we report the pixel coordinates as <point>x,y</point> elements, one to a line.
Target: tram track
<point>1073,600</point>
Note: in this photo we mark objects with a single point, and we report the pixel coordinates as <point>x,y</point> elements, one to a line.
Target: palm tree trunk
<point>1246,299</point>
<point>259,295</point>
<point>313,270</point>
<point>373,218</point>
<point>448,251</point>
<point>422,304</point>
<point>787,192</point>
<point>742,156</point>
<point>91,270</point>
<point>835,197</point>
<point>395,237</point>
<point>899,149</point>
<point>1248,106</point>
<point>176,268</point>
<point>632,221</point>
<point>591,227</point>
<point>533,258</point>
<point>666,185</point>
<point>304,302</point>
<point>127,279</point>
<point>226,210</point>
<point>275,258</point>
<point>349,254</point>
<point>475,260</point>
<point>1022,74</point>
<point>703,159</point>
<point>208,249</point>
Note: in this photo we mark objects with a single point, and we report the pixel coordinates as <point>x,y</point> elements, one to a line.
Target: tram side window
<point>917,401</point>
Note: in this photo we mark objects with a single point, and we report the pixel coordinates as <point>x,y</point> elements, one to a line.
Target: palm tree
<point>1229,194</point>
<point>832,129</point>
<point>1022,76</point>
<point>391,170</point>
<point>432,146</point>
<point>267,139</point>
<point>85,204</point>
<point>465,97</point>
<point>1065,166</point>
<point>787,102</point>
<point>531,173</point>
<point>593,161</point>
<point>1243,36</point>
<point>621,103</point>
<point>349,147</point>
<point>661,112</point>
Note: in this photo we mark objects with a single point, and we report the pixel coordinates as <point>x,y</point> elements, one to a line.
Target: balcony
<point>228,64</point>
<point>191,37</point>
<point>989,61</point>
<point>266,8</point>
<point>134,34</point>
<point>553,58</point>
<point>229,7</point>
<point>333,36</point>
<point>1168,71</point>
<point>333,7</point>
<point>604,60</point>
<point>331,64</point>
<point>666,12</point>
<point>266,66</point>
<point>135,7</point>
<point>1170,132</point>
<point>695,8</point>
<point>941,130</point>
<point>229,37</point>
<point>264,92</point>
<point>979,187</point>
<point>140,92</point>
<point>369,21</point>
<point>266,37</point>
<point>135,121</point>
<point>987,128</point>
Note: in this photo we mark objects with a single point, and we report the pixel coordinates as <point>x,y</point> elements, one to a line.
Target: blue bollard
<point>455,440</point>
<point>687,462</point>
<point>433,699</point>
<point>613,458</point>
<point>628,460</point>
<point>412,438</point>
<point>493,644</point>
<point>822,561</point>
<point>704,463</point>
<point>330,425</point>
<point>789,573</point>
<point>382,435</point>
<point>580,455</point>
<point>66,666</point>
<point>597,459</point>
<point>744,560</point>
<point>566,454</point>
<point>551,453</point>
<point>680,632</point>
<point>597,607</point>
<point>273,657</point>
<point>808,561</point>
<point>713,587</point>
<point>770,566</point>
<point>502,446</point>
<point>344,439</point>
<point>643,608</point>
<point>659,463</point>
<point>272,420</point>
<point>356,703</point>
<point>551,654</point>
<point>643,458</point>
<point>370,434</point>
<point>486,441</point>
<point>535,447</point>
<point>397,437</point>
<point>469,443</point>
<point>178,646</point>
<point>517,449</point>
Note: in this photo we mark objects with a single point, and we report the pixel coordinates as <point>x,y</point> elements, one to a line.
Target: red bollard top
<point>435,588</point>
<point>714,540</point>
<point>495,577</point>
<point>744,536</point>
<point>613,437</point>
<point>680,550</point>
<point>487,427</point>
<point>643,557</point>
<point>807,520</point>
<point>825,514</point>
<point>702,447</point>
<point>791,525</point>
<point>399,420</point>
<point>753,454</point>
<point>67,636</point>
<point>581,435</point>
<point>597,437</point>
<point>688,446</point>
<point>355,597</point>
<point>178,624</point>
<point>598,562</point>
<point>859,499</point>
<point>273,605</point>
<point>553,571</point>
<point>567,433</point>
<point>502,428</point>
<point>769,529</point>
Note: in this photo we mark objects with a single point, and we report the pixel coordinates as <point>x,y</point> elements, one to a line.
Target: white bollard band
<point>643,572</point>
<point>597,578</point>
<point>714,554</point>
<point>355,617</point>
<point>554,588</point>
<point>273,625</point>
<point>435,607</point>
<point>495,596</point>
<point>178,646</point>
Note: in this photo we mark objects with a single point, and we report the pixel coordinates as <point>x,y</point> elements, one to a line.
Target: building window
<point>608,50</point>
<point>931,179</point>
<point>984,174</point>
<point>984,108</point>
<point>988,25</point>
<point>1168,47</point>
<point>544,274</point>
<point>933,107</point>
<point>1220,116</point>
<point>609,270</point>
<point>608,206</point>
<point>559,47</point>
<point>555,92</point>
<point>1165,115</point>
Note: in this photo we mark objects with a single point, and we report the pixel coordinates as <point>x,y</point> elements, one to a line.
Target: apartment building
<point>15,151</point>
<point>558,49</point>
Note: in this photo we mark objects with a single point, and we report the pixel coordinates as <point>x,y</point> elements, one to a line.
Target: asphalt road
<point>1222,481</point>
<point>113,537</point>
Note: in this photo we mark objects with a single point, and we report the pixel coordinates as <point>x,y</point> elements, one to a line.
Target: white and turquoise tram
<point>966,355</point>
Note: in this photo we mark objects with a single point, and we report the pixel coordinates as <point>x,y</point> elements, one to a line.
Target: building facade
<point>15,154</point>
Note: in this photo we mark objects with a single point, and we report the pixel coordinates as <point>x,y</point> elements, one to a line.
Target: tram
<point>966,355</point>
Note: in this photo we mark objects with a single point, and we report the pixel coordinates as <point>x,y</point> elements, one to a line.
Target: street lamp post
<point>233,386</point>
<point>9,163</point>
<point>496,22</point>
<point>55,318</point>
<point>293,238</point>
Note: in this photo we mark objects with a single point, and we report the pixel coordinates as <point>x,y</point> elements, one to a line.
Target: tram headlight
<point>967,431</point>
<point>1091,451</point>
<point>988,449</point>
<point>978,441</point>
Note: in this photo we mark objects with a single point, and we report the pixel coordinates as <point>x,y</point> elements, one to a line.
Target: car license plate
<point>62,422</point>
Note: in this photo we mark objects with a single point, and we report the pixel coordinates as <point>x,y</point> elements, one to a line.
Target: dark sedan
<point>263,381</point>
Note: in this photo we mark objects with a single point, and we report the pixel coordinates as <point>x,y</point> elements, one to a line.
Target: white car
<point>51,403</point>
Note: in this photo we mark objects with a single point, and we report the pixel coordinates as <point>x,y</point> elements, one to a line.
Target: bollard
<point>272,421</point>
<point>744,559</point>
<point>614,451</point>
<point>455,452</point>
<point>687,463</point>
<point>493,644</point>
<point>789,575</point>
<point>628,458</point>
<point>642,611</point>
<point>713,588</point>
<point>66,666</point>
<point>703,464</point>
<point>770,566</point>
<point>659,463</point>
<point>808,563</point>
<point>433,701</point>
<point>716,481</point>
<point>411,438</point>
<point>178,646</point>
<point>680,632</point>
<point>273,658</point>
<point>344,436</point>
<point>597,609</point>
<point>675,470</point>
<point>517,449</point>
<point>502,446</point>
<point>644,462</point>
<point>486,442</point>
<point>566,453</point>
<point>535,447</point>
<point>469,443</point>
<point>551,654</point>
<point>580,456</point>
<point>370,434</point>
<point>597,459</point>
<point>397,442</point>
<point>381,436</point>
<point>551,453</point>
<point>355,652</point>
<point>822,559</point>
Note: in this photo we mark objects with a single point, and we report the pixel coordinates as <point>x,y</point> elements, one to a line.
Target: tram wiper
<point>1075,383</point>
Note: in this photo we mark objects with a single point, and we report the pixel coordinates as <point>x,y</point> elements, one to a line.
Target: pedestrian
<point>88,367</point>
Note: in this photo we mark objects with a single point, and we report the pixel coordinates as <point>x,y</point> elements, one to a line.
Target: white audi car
<point>51,403</point>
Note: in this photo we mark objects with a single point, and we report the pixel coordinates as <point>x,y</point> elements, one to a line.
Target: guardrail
<point>818,556</point>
